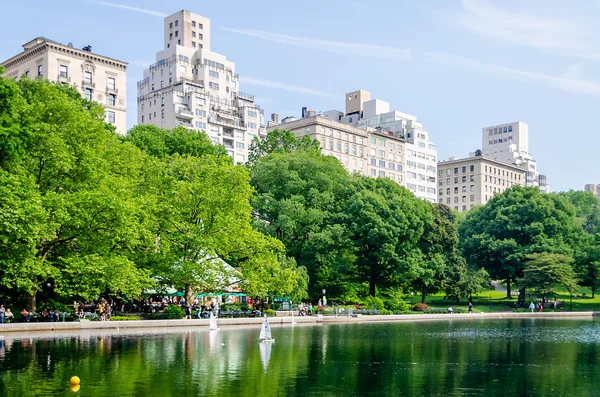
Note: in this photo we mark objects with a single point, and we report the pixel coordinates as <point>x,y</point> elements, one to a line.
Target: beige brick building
<point>595,189</point>
<point>464,183</point>
<point>98,78</point>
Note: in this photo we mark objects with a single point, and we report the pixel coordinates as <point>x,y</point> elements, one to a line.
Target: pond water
<point>519,357</point>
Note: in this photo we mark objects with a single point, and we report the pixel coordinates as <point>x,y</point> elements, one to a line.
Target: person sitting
<point>25,315</point>
<point>44,315</point>
<point>450,310</point>
<point>9,317</point>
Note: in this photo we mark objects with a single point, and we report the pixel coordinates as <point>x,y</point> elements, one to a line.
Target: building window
<point>239,145</point>
<point>110,116</point>
<point>193,24</point>
<point>176,22</point>
<point>213,86</point>
<point>472,198</point>
<point>112,99</point>
<point>179,41</point>
<point>27,73</point>
<point>200,26</point>
<point>171,25</point>
<point>464,170</point>
<point>64,71</point>
<point>252,125</point>
<point>112,83</point>
<point>193,34</point>
<point>214,74</point>
<point>40,71</point>
<point>193,44</point>
<point>89,94</point>
<point>455,170</point>
<point>170,36</point>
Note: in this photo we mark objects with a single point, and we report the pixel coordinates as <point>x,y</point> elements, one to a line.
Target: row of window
<point>509,139</point>
<point>463,169</point>
<point>464,190</point>
<point>418,188</point>
<point>111,99</point>
<point>463,179</point>
<point>339,135</point>
<point>111,82</point>
<point>463,199</point>
<point>509,174</point>
<point>499,130</point>
<point>382,164</point>
<point>200,26</point>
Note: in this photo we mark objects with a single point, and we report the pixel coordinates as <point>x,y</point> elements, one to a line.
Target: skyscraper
<point>191,86</point>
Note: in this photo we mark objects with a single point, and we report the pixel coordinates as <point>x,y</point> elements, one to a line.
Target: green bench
<point>440,311</point>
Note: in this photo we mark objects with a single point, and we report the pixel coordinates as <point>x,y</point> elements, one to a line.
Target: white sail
<point>213,322</point>
<point>265,331</point>
<point>265,354</point>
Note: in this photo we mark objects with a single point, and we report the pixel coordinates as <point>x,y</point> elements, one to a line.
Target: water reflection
<point>459,358</point>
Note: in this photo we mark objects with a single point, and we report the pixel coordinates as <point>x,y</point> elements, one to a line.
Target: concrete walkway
<point>175,325</point>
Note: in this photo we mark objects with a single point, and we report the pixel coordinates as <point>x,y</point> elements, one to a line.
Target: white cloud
<point>287,87</point>
<point>336,47</point>
<point>564,83</point>
<point>130,8</point>
<point>533,31</point>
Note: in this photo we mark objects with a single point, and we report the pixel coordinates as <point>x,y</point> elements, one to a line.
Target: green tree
<point>279,141</point>
<point>515,223</point>
<point>385,222</point>
<point>439,248</point>
<point>205,241</point>
<point>546,273</point>
<point>70,194</point>
<point>298,200</point>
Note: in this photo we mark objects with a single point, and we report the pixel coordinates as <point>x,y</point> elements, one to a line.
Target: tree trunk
<point>32,302</point>
<point>593,291</point>
<point>372,286</point>
<point>508,294</point>
<point>423,294</point>
<point>189,295</point>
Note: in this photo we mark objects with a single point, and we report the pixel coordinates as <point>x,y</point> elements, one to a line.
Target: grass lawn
<point>496,301</point>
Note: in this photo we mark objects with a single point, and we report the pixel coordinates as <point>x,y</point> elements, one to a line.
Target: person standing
<point>541,307</point>
<point>309,309</point>
<point>2,312</point>
<point>188,313</point>
<point>470,307</point>
<point>532,307</point>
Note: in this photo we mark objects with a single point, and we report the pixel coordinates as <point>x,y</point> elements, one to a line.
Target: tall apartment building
<point>510,143</point>
<point>594,189</point>
<point>390,144</point>
<point>191,86</point>
<point>464,183</point>
<point>98,78</point>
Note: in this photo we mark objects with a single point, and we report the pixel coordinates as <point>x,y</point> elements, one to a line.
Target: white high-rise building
<point>510,143</point>
<point>97,77</point>
<point>370,139</point>
<point>191,86</point>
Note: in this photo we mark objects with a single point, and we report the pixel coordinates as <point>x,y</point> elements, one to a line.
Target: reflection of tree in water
<point>376,359</point>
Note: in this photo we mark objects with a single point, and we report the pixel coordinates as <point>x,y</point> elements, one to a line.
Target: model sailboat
<point>213,322</point>
<point>265,332</point>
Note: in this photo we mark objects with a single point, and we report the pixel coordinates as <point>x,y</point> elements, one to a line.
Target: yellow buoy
<point>75,388</point>
<point>75,380</point>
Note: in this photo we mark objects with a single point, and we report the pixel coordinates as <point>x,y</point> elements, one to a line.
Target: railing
<point>88,84</point>
<point>245,96</point>
<point>63,78</point>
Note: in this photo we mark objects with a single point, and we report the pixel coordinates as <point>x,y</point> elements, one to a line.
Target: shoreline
<point>77,327</point>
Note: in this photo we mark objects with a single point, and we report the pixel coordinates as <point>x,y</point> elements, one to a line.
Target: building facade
<point>96,77</point>
<point>465,183</point>
<point>595,189</point>
<point>388,145</point>
<point>191,86</point>
<point>509,143</point>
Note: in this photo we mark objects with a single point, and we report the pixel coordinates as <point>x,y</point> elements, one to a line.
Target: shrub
<point>419,307</point>
<point>125,318</point>
<point>170,313</point>
<point>244,308</point>
<point>270,313</point>
<point>231,307</point>
<point>374,302</point>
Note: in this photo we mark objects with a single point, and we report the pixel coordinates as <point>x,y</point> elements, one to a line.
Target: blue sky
<point>456,65</point>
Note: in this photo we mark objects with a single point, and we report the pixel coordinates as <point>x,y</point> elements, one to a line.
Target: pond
<point>519,357</point>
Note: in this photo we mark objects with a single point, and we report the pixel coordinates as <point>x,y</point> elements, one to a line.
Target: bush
<point>270,313</point>
<point>231,307</point>
<point>125,318</point>
<point>244,308</point>
<point>172,312</point>
<point>374,302</point>
<point>419,307</point>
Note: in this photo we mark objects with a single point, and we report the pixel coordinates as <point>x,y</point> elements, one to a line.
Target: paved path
<point>499,287</point>
<point>163,326</point>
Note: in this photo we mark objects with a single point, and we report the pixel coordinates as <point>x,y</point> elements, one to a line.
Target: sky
<point>457,65</point>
